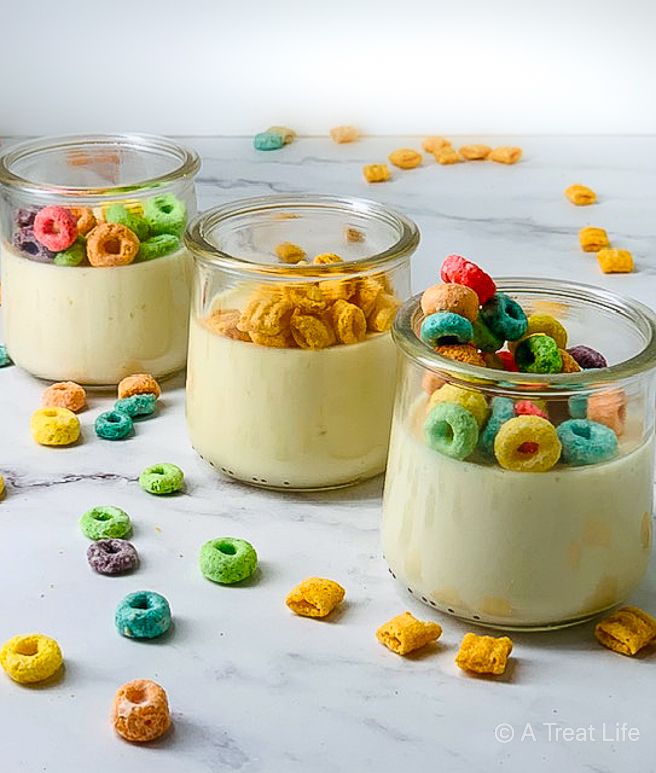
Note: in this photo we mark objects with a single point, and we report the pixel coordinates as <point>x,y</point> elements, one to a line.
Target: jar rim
<point>199,229</point>
<point>187,162</point>
<point>547,384</point>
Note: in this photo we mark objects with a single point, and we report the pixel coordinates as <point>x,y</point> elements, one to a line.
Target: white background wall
<point>390,66</point>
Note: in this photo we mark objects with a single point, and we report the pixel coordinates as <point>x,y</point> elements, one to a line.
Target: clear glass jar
<point>95,278</point>
<point>527,550</point>
<point>291,369</point>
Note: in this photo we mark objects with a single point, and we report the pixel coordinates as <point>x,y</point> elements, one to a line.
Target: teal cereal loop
<point>505,317</point>
<point>444,328</point>
<point>586,442</point>
<point>538,353</point>
<point>74,255</point>
<point>165,214</point>
<point>451,430</point>
<point>156,246</point>
<point>5,359</point>
<point>137,405</point>
<point>578,406</point>
<point>113,425</point>
<point>117,213</point>
<point>227,560</point>
<point>502,409</point>
<point>105,522</point>
<point>484,339</point>
<point>268,141</point>
<point>162,479</point>
<point>143,615</point>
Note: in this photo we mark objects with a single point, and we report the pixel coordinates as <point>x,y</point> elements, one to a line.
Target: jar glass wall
<point>291,365</point>
<point>95,278</point>
<point>516,549</point>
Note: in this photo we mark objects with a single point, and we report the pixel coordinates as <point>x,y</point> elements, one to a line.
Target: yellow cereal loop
<point>376,173</point>
<point>593,239</point>
<point>613,261</point>
<point>349,322</point>
<point>543,323</point>
<point>315,597</point>
<point>55,427</point>
<point>475,152</point>
<point>404,633</point>
<point>31,658</point>
<point>473,401</point>
<point>505,154</point>
<point>447,155</point>
<point>527,444</point>
<point>484,654</point>
<point>434,143</point>
<point>626,631</point>
<point>288,252</point>
<point>341,134</point>
<point>580,195</point>
<point>405,158</point>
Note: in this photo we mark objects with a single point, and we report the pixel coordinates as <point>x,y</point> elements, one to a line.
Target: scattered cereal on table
<point>447,155</point>
<point>138,384</point>
<point>105,522</point>
<point>3,487</point>
<point>113,425</point>
<point>475,152</point>
<point>268,141</point>
<point>65,394</point>
<point>404,633</point>
<point>55,427</point>
<point>593,239</point>
<point>315,597</point>
<point>434,143</point>
<point>5,359</point>
<point>626,631</point>
<point>112,556</point>
<point>227,560</point>
<point>137,405</point>
<point>484,654</point>
<point>140,711</point>
<point>162,479</point>
<point>505,155</point>
<point>143,615</point>
<point>580,195</point>
<point>341,134</point>
<point>376,173</point>
<point>405,158</point>
<point>31,658</point>
<point>612,261</point>
<point>288,135</point>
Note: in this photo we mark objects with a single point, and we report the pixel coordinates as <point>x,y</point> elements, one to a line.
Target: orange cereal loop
<point>140,711</point>
<point>288,252</point>
<point>111,244</point>
<point>450,297</point>
<point>382,315</point>
<point>570,365</point>
<point>404,633</point>
<point>484,654</point>
<point>267,314</point>
<point>626,631</point>
<point>462,353</point>
<point>475,152</point>
<point>341,134</point>
<point>593,239</point>
<point>326,258</point>
<point>367,293</point>
<point>85,219</point>
<point>405,158</point>
<point>613,261</point>
<point>505,154</point>
<point>64,394</point>
<point>224,322</point>
<point>349,322</point>
<point>311,332</point>
<point>608,408</point>
<point>448,155</point>
<point>580,195</point>
<point>138,384</point>
<point>376,173</point>
<point>307,299</point>
<point>433,144</point>
<point>352,234</point>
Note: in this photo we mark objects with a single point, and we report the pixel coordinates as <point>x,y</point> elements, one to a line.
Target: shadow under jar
<point>291,369</point>
<point>513,549</point>
<point>96,281</point>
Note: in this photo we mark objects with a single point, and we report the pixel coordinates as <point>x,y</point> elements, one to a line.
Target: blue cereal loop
<point>502,409</point>
<point>268,141</point>
<point>143,615</point>
<point>505,317</point>
<point>113,425</point>
<point>137,405</point>
<point>5,359</point>
<point>578,406</point>
<point>586,442</point>
<point>451,430</point>
<point>444,328</point>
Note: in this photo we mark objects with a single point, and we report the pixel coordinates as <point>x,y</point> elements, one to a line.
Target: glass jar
<point>96,281</point>
<point>291,369</point>
<point>527,550</point>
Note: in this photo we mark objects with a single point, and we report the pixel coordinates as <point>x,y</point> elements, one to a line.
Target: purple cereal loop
<point>25,241</point>
<point>112,556</point>
<point>587,357</point>
<point>24,216</point>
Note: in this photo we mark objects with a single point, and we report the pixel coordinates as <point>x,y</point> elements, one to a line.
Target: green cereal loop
<point>538,353</point>
<point>165,214</point>
<point>227,560</point>
<point>117,213</point>
<point>451,430</point>
<point>161,479</point>
<point>157,246</point>
<point>105,522</point>
<point>137,405</point>
<point>74,255</point>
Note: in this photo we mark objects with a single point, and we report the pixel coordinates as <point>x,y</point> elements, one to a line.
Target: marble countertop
<point>253,688</point>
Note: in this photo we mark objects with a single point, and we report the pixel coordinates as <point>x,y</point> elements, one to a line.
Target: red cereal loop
<point>529,408</point>
<point>55,228</point>
<point>508,361</point>
<point>459,270</point>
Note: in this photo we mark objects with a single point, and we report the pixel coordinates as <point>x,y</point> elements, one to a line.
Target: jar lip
<point>199,229</point>
<point>537,383</point>
<point>186,166</point>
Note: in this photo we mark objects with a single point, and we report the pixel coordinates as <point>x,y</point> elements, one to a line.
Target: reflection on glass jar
<point>525,524</point>
<point>95,278</point>
<point>291,365</point>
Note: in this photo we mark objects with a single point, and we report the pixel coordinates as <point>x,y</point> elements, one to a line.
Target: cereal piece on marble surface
<point>404,633</point>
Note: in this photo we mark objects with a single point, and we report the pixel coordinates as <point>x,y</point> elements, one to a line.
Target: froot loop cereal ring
<point>586,442</point>
<point>26,242</point>
<point>505,154</point>
<point>117,213</point>
<point>451,430</point>
<point>580,195</point>
<point>55,427</point>
<point>461,353</point>
<point>165,214</point>
<point>24,216</point>
<point>529,408</point>
<point>405,158</point>
<point>593,239</point>
<point>268,141</point>
<point>136,405</point>
<point>527,444</point>
<point>156,246</point>
<point>138,384</point>
<point>612,261</point>
<point>288,135</point>
<point>608,408</point>
<point>508,361</point>
<point>545,323</point>
<point>578,406</point>
<point>55,228</point>
<point>484,654</point>
<point>376,173</point>
<point>140,712</point>
<point>113,425</point>
<point>143,615</point>
<point>450,297</point>
<point>448,155</point>
<point>484,338</point>
<point>404,633</point>
<point>502,410</point>
<point>505,317</point>
<point>31,658</point>
<point>570,365</point>
<point>315,597</point>
<point>538,353</point>
<point>105,522</point>
<point>475,152</point>
<point>626,631</point>
<point>288,252</point>
<point>227,560</point>
<point>434,143</point>
<point>458,270</point>
<point>5,359</point>
<point>65,394</point>
<point>112,556</point>
<point>341,134</point>
<point>85,220</point>
<point>111,244</point>
<point>431,381</point>
<point>73,256</point>
<point>445,328</point>
<point>587,357</point>
<point>162,479</point>
<point>473,401</point>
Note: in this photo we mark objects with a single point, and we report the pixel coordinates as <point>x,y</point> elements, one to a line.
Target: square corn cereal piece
<point>433,144</point>
<point>341,134</point>
<point>484,654</point>
<point>613,261</point>
<point>353,234</point>
<point>580,195</point>
<point>448,155</point>
<point>404,633</point>
<point>405,158</point>
<point>475,152</point>
<point>288,135</point>
<point>315,597</point>
<point>626,631</point>
<point>288,252</point>
<point>376,173</point>
<point>593,239</point>
<point>506,154</point>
